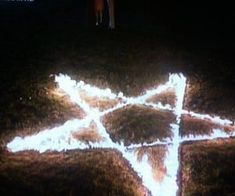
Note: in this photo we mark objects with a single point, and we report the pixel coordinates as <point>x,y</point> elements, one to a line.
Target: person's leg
<point>101,16</point>
<point>111,14</point>
<point>112,25</point>
<point>97,18</point>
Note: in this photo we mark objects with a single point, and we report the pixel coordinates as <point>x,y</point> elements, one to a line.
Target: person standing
<point>99,9</point>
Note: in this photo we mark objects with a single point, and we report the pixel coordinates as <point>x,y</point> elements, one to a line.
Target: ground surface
<point>123,60</point>
<point>70,173</point>
<point>207,168</point>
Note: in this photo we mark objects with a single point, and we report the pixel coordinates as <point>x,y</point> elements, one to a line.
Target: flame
<point>61,138</point>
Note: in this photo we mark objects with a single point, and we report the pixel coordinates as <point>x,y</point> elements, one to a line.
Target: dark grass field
<point>195,126</point>
<point>90,172</point>
<point>208,168</point>
<point>139,124</point>
<point>40,40</point>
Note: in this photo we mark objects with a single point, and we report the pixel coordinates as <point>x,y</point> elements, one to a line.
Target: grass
<point>208,168</point>
<point>89,134</point>
<point>211,93</point>
<point>98,102</point>
<point>89,172</point>
<point>166,97</point>
<point>195,126</point>
<point>138,124</point>
<point>34,104</point>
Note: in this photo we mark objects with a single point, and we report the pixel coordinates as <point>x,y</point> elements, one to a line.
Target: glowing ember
<point>66,136</point>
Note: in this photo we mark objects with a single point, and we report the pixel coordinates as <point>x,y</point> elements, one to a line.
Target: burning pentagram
<point>70,134</point>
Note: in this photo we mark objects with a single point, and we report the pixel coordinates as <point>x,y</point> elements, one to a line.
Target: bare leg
<point>101,17</point>
<point>97,18</point>
<point>111,14</point>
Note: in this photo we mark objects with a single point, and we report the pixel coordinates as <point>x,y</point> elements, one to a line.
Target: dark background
<point>195,38</point>
<point>198,17</point>
<point>152,39</point>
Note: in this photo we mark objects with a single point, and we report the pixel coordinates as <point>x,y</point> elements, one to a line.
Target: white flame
<point>214,119</point>
<point>217,133</point>
<point>143,169</point>
<point>61,138</point>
